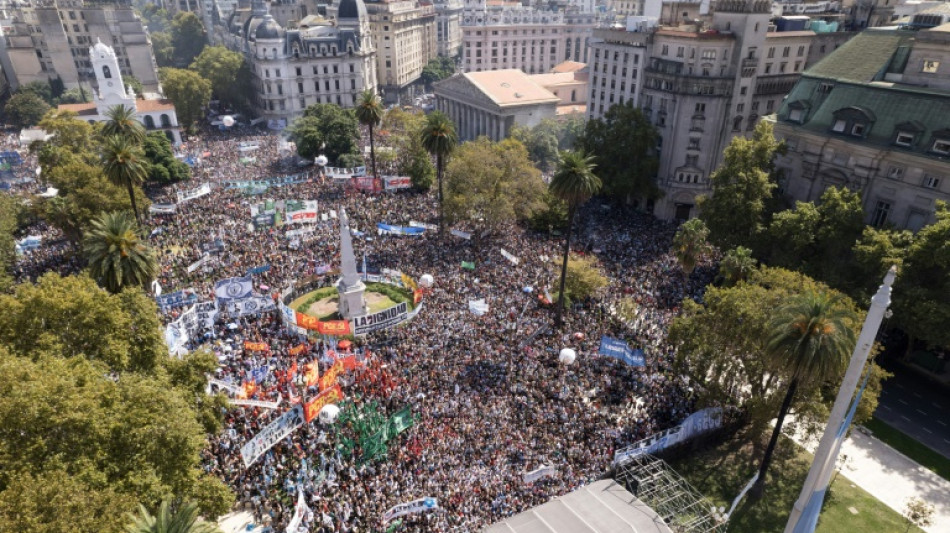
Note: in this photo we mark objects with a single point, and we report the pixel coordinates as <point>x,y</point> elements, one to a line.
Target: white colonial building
<point>156,114</point>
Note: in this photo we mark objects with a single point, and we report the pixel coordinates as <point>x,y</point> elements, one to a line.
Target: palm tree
<point>117,256</point>
<point>369,111</point>
<point>810,339</point>
<point>574,182</point>
<point>124,164</point>
<point>690,244</point>
<point>122,122</point>
<point>184,519</point>
<point>736,265</point>
<point>439,139</point>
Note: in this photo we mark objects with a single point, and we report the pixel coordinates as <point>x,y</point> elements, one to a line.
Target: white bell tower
<point>109,77</point>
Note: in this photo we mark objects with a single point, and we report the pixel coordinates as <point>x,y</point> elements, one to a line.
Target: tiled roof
<point>80,109</point>
<point>510,87</point>
<point>147,106</point>
<point>862,58</point>
<point>568,66</point>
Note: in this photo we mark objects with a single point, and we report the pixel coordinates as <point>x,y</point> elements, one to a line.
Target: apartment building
<point>404,32</point>
<point>448,21</point>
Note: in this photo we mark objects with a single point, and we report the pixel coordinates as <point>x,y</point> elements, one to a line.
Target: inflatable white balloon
<point>228,121</point>
<point>426,280</point>
<point>567,356</point>
<point>329,413</point>
<point>321,160</point>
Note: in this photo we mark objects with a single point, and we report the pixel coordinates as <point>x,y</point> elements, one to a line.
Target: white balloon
<point>329,413</point>
<point>321,160</point>
<point>567,356</point>
<point>426,280</point>
<point>228,121</point>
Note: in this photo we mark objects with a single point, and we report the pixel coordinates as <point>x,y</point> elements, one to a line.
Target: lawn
<point>905,444</point>
<point>721,472</point>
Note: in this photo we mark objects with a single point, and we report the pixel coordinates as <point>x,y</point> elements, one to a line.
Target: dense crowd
<point>490,398</point>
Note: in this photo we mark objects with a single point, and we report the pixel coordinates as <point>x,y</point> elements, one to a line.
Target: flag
<point>297,350</point>
<point>394,526</point>
<point>329,379</point>
<point>311,372</point>
<point>233,288</point>
<point>401,421</point>
<point>468,265</point>
<point>313,407</point>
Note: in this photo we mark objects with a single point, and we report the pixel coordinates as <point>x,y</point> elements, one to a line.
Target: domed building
<point>318,61</point>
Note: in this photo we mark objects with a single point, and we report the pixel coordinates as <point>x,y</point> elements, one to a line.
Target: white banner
<point>697,423</point>
<point>301,511</point>
<point>206,313</point>
<point>163,209</point>
<point>538,473</point>
<point>233,389</point>
<point>194,193</point>
<point>273,433</point>
<point>250,306</point>
<point>514,260</point>
<point>205,259</point>
<point>256,403</point>
<point>364,324</point>
<point>478,307</point>
<point>414,224</point>
<point>396,182</point>
<point>463,234</point>
<point>413,507</point>
<point>299,212</point>
<point>234,288</point>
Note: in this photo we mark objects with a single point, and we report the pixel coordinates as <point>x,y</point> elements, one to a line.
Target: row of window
<point>299,70</point>
<point>316,86</point>
<point>927,181</point>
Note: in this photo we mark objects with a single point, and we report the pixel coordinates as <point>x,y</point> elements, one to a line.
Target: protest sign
<point>273,433</point>
<point>413,507</point>
<point>618,349</point>
<point>332,395</point>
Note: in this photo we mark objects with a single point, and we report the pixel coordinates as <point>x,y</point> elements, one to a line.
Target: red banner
<point>297,350</point>
<point>256,346</point>
<point>311,372</point>
<point>416,296</point>
<point>312,408</point>
<point>350,362</point>
<point>329,379</point>
<point>334,327</point>
<point>306,321</point>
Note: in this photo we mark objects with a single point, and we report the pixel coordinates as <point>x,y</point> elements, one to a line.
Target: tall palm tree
<point>689,244</point>
<point>117,256</point>
<point>574,182</point>
<point>369,111</point>
<point>736,265</point>
<point>122,122</point>
<point>439,139</point>
<point>810,339</point>
<point>124,164</point>
<point>184,519</point>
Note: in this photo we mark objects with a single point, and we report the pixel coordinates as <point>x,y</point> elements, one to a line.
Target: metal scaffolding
<point>657,485</point>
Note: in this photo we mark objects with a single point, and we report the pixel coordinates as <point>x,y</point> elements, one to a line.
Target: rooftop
<point>862,58</point>
<point>510,87</point>
<point>568,66</point>
<point>601,507</point>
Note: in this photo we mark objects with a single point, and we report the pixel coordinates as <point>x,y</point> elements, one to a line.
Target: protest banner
<point>255,403</point>
<point>538,473</point>
<point>163,209</point>
<point>297,350</point>
<point>250,306</point>
<point>415,224</point>
<point>230,387</point>
<point>389,229</point>
<point>206,313</point>
<point>258,270</point>
<point>401,421</point>
<point>700,422</point>
<point>462,234</point>
<point>184,196</point>
<point>301,211</point>
<point>507,255</point>
<point>176,299</point>
<point>468,265</point>
<point>233,288</point>
<point>311,373</point>
<point>618,349</point>
<point>364,324</point>
<point>392,183</point>
<point>256,346</point>
<point>204,260</point>
<point>413,507</point>
<point>301,512</point>
<point>329,379</point>
<point>332,395</point>
<point>273,433</point>
<point>333,327</point>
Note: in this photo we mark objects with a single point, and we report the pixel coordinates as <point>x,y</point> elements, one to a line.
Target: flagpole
<point>816,484</point>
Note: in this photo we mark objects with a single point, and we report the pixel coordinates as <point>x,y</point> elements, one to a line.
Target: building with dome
<point>156,114</point>
<point>316,61</point>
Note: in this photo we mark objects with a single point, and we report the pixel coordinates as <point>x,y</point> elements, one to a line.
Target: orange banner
<point>306,321</point>
<point>256,346</point>
<point>297,350</point>
<point>311,372</point>
<point>250,388</point>
<point>334,327</point>
<point>312,408</point>
<point>416,296</point>
<point>350,362</point>
<point>329,379</point>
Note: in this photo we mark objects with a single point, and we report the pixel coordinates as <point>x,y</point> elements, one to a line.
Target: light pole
<point>804,514</point>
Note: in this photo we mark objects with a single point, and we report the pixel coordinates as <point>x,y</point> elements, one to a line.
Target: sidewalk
<point>235,522</point>
<point>891,477</point>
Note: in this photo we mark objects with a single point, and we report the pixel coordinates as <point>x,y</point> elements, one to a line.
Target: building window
<point>794,115</point>
<point>839,126</point>
<point>666,50</point>
<point>106,73</point>
<point>299,71</point>
<point>930,66</point>
<point>904,139</point>
<point>858,129</point>
<point>931,182</point>
<point>786,50</point>
<point>709,54</point>
<point>941,147</point>
<point>693,143</point>
<point>801,51</point>
<point>879,218</point>
<point>895,173</point>
<point>771,53</point>
<point>825,88</point>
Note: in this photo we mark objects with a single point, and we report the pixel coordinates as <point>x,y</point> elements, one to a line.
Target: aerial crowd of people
<point>489,398</point>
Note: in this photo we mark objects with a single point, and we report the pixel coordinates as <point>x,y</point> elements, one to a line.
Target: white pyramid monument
<point>350,285</point>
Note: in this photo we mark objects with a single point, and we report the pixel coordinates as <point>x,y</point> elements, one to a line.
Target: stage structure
<point>658,486</point>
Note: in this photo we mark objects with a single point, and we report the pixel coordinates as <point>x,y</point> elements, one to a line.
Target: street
<point>918,409</point>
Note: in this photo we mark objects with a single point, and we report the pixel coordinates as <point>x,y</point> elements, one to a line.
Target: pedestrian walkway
<point>890,476</point>
<point>236,522</point>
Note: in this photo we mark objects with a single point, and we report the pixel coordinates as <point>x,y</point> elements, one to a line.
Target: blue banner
<point>258,270</point>
<point>176,299</point>
<point>618,349</point>
<point>399,230</point>
<point>259,374</point>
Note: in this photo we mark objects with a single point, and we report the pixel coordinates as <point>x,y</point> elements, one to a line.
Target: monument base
<point>352,302</point>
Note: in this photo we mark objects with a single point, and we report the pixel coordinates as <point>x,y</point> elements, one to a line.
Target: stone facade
<point>405,35</point>
<point>448,20</point>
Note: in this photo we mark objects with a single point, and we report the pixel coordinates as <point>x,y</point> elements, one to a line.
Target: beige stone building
<point>448,20</point>
<point>497,35</point>
<point>874,117</point>
<point>50,39</point>
<point>405,35</point>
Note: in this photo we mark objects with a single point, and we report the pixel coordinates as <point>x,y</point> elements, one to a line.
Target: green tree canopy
<point>188,37</point>
<point>492,184</point>
<point>623,144</point>
<point>123,122</point>
<point>188,91</point>
<point>9,208</point>
<point>164,167</point>
<point>77,95</point>
<point>440,139</point>
<point>689,244</point>
<point>736,213</point>
<point>117,257</point>
<point>163,49</point>
<point>25,109</point>
<point>737,265</point>
<point>438,68</point>
<point>42,89</point>
<point>401,132</point>
<point>584,278</point>
<point>329,125</point>
<point>222,68</point>
<point>181,519</point>
<point>369,112</point>
<point>547,138</point>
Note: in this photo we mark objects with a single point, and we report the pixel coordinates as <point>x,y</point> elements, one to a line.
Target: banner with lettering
<point>416,506</point>
<point>538,473</point>
<point>184,196</point>
<point>618,349</point>
<point>332,395</point>
<point>311,373</point>
<point>255,403</point>
<point>700,422</point>
<point>256,346</point>
<point>364,324</point>
<point>397,182</point>
<point>329,379</point>
<point>297,350</point>
<point>301,512</point>
<point>333,327</point>
<point>273,433</point>
<point>301,211</point>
